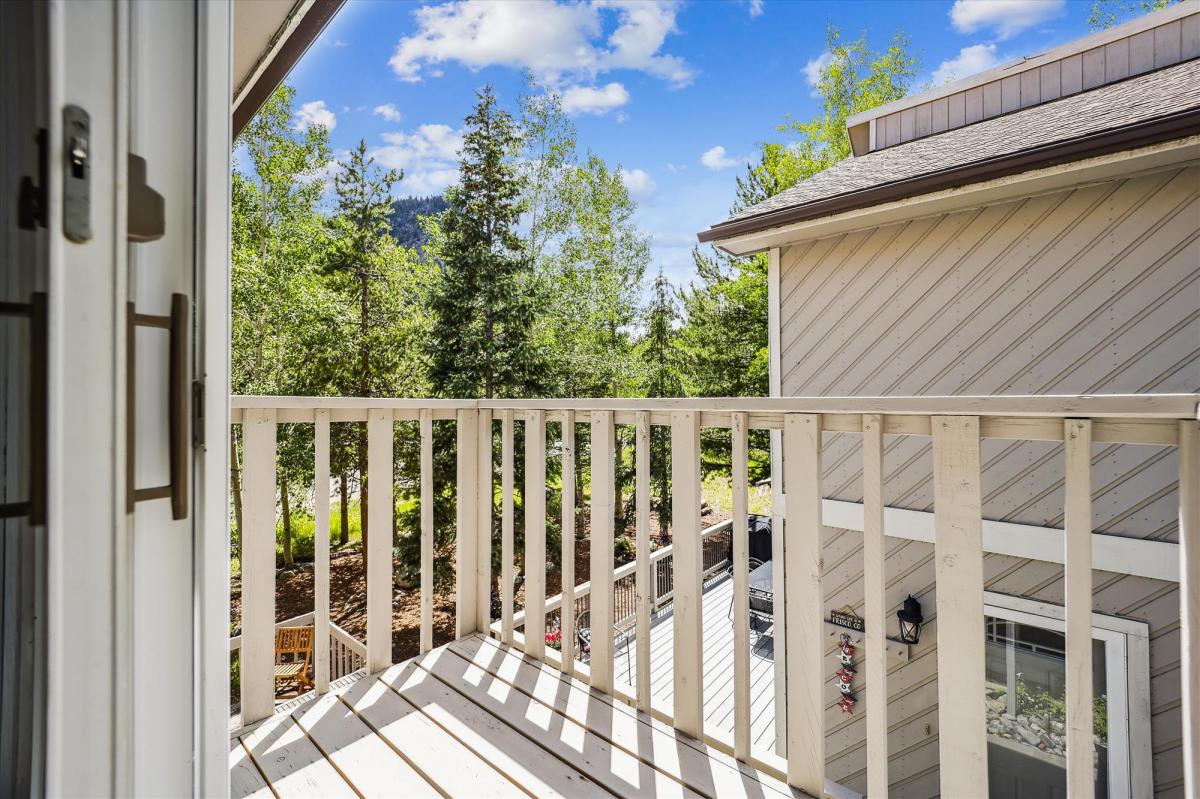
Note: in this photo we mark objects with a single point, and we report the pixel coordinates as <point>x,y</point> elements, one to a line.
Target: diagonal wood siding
<point>1091,290</point>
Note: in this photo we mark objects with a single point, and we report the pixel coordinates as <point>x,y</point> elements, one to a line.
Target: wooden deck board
<point>690,761</point>
<point>291,763</point>
<point>368,763</point>
<point>440,757</point>
<point>476,718</point>
<point>614,768</point>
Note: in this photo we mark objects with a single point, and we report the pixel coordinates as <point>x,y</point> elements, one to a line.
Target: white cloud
<point>315,113</point>
<point>388,112</point>
<point>340,43</point>
<point>428,156</point>
<point>715,159</point>
<point>593,99</point>
<point>969,61</point>
<point>814,68</point>
<point>555,40</point>
<point>1006,17</point>
<point>756,8</point>
<point>638,182</point>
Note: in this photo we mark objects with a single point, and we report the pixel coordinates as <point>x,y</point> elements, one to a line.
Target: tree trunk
<point>344,490</point>
<point>235,479</point>
<point>287,519</point>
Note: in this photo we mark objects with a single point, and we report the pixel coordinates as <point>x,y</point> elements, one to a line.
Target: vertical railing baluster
<point>535,534</point>
<point>426,424</point>
<point>642,587</point>
<point>741,590</point>
<point>379,540</point>
<point>506,527</point>
<point>875,658</point>
<point>483,542</point>
<point>958,558</point>
<point>805,686</point>
<point>1077,573</point>
<point>257,659</point>
<point>466,522</point>
<point>601,600</point>
<point>1189,597</point>
<point>321,549</point>
<point>686,610</point>
<point>567,612</point>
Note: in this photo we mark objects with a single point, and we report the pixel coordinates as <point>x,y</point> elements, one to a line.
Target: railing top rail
<point>1113,406</point>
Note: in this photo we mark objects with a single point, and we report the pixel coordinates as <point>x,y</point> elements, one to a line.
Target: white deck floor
<point>718,666</point>
<point>475,719</point>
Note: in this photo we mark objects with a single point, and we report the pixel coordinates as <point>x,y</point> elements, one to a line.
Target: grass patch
<point>717,491</point>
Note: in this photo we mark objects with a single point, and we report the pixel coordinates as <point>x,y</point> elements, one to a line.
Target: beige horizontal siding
<point>1090,290</point>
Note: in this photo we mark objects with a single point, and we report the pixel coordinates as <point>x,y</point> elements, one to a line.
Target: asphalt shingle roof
<point>1139,99</point>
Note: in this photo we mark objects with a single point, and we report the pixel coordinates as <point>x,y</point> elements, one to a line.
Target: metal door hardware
<point>178,396</point>
<point>35,312</point>
<point>77,174</point>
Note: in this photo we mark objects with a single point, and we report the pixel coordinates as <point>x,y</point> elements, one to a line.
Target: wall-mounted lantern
<point>910,619</point>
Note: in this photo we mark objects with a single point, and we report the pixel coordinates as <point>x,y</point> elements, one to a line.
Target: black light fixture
<point>910,619</point>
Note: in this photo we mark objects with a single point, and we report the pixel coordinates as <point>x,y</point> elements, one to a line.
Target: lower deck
<point>475,718</point>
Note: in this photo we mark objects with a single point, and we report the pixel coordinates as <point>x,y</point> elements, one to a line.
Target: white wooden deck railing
<point>955,426</point>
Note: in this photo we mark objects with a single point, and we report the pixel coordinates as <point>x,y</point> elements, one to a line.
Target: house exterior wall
<point>1095,289</point>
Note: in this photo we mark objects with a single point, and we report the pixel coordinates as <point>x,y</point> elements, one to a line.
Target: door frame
<point>1127,668</point>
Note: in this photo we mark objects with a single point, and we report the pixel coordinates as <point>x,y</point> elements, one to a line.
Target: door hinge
<point>197,414</point>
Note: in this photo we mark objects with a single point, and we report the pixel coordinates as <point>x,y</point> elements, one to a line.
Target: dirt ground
<point>348,594</point>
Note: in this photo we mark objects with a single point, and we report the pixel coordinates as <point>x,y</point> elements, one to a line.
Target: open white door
<point>137,599</point>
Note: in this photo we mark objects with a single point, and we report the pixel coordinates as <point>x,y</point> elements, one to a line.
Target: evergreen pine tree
<point>661,379</point>
<point>482,342</point>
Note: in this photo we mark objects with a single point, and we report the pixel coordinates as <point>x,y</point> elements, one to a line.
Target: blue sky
<point>678,94</point>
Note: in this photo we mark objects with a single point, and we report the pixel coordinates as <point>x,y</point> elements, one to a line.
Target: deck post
<point>426,635</point>
<point>567,612</point>
<point>466,522</point>
<point>321,550</point>
<point>601,601</point>
<point>686,609</point>
<point>875,607</point>
<point>483,554</point>
<point>506,527</point>
<point>379,543</point>
<point>805,631</point>
<point>644,600</point>
<point>1189,594</point>
<point>535,534</point>
<point>958,557</point>
<point>1077,560</point>
<point>257,659</point>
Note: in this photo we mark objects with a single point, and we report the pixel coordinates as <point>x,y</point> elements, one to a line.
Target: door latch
<point>77,174</point>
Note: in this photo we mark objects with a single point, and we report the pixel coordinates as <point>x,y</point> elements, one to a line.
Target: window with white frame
<point>1026,701</point>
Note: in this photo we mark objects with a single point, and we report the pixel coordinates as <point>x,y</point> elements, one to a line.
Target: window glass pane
<point>1026,711</point>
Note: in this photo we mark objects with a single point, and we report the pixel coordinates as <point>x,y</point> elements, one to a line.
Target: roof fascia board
<point>1175,153</point>
<point>298,32</point>
<point>1017,66</point>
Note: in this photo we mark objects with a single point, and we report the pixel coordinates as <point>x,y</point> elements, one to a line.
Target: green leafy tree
<point>660,378</point>
<point>723,347</point>
<point>1107,13</point>
<point>274,281</point>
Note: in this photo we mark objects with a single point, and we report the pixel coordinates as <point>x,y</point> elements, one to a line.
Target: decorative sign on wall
<point>845,675</point>
<point>848,619</point>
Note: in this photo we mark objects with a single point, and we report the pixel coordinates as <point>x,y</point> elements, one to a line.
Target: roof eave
<point>1127,137</point>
